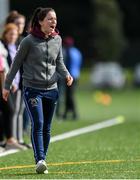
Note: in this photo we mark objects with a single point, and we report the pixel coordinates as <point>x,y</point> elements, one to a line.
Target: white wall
<point>4,10</point>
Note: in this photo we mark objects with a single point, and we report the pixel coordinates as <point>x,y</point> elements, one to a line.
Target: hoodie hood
<point>38,33</point>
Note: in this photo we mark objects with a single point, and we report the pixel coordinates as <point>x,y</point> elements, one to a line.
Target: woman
<point>9,38</point>
<point>41,55</point>
<point>19,20</point>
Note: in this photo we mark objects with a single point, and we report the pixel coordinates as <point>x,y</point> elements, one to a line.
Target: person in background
<point>9,38</point>
<point>2,69</point>
<point>18,19</point>
<point>73,60</point>
<point>40,53</point>
<point>5,111</point>
<point>22,117</point>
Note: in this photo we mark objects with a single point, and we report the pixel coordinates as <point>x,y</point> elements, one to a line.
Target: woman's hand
<point>14,88</point>
<point>69,80</point>
<point>5,94</point>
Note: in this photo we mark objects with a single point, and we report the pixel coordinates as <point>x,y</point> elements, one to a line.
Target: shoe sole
<point>41,168</point>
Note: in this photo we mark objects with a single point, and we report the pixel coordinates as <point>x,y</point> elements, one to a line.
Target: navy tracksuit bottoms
<point>40,106</point>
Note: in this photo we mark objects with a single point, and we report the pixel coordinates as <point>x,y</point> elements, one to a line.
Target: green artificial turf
<point>109,153</point>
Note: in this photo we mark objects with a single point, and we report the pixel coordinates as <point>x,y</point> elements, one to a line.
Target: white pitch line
<point>91,128</point>
<point>77,132</point>
<point>7,152</point>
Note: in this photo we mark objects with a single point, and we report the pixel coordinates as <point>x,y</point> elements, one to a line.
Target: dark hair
<point>13,15</point>
<point>38,15</point>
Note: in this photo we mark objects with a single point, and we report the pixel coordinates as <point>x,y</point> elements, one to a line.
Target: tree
<point>109,39</point>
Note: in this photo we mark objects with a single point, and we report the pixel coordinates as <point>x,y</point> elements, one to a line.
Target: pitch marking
<point>91,128</point>
<point>72,163</point>
<point>77,132</point>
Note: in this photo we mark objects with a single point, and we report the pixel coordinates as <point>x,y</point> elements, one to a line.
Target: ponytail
<point>35,19</point>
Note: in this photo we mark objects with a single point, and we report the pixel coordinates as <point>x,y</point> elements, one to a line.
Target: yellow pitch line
<point>85,162</point>
<point>70,163</point>
<point>88,172</point>
<point>16,167</point>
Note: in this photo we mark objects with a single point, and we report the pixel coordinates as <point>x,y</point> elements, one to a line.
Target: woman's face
<point>11,36</point>
<point>20,22</point>
<point>49,23</point>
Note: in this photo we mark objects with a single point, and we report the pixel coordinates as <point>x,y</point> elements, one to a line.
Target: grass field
<point>109,153</point>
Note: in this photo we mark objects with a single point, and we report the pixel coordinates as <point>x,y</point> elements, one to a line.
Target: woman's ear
<point>40,22</point>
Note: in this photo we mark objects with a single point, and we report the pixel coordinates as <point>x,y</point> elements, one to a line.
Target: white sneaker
<point>46,171</point>
<point>41,167</point>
